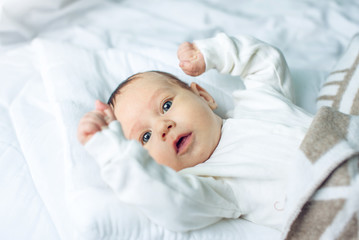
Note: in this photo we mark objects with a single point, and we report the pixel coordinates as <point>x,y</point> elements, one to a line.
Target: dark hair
<point>170,76</point>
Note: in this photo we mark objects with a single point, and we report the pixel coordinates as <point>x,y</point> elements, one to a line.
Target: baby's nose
<point>165,128</point>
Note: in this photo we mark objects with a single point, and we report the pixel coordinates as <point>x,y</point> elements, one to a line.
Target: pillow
<point>341,88</point>
<point>74,78</point>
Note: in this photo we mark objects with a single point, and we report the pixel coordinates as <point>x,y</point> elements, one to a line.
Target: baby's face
<point>177,126</point>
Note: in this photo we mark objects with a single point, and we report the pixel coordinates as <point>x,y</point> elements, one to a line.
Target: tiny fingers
<point>91,123</point>
<point>109,115</point>
<point>96,118</point>
<point>187,51</point>
<point>86,130</point>
<point>106,111</point>
<point>191,60</point>
<point>90,128</point>
<point>188,67</point>
<point>182,48</point>
<point>94,121</point>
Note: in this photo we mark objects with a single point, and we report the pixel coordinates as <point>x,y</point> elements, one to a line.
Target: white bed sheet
<point>312,36</point>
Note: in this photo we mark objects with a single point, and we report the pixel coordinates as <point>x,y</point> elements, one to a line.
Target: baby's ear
<point>200,91</point>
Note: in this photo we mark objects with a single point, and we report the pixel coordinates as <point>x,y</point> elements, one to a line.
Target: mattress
<point>48,49</point>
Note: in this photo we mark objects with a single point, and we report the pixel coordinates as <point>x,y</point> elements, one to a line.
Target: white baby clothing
<point>247,173</point>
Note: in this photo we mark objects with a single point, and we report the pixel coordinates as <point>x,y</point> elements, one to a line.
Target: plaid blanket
<point>323,199</point>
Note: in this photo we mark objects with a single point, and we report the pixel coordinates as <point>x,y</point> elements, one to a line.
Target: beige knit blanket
<point>323,199</point>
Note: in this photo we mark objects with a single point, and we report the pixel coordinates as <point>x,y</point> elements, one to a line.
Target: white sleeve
<point>257,63</point>
<point>176,201</point>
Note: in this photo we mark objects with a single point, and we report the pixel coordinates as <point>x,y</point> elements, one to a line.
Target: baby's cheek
<point>161,155</point>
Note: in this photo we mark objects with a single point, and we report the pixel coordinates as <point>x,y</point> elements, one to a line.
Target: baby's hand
<point>191,59</point>
<point>94,121</point>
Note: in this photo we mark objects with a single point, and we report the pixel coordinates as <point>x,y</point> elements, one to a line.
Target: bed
<point>57,56</point>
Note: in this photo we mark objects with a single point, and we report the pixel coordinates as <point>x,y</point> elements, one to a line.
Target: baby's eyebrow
<point>157,94</point>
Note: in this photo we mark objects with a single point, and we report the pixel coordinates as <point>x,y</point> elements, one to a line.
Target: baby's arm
<point>257,63</point>
<point>176,201</point>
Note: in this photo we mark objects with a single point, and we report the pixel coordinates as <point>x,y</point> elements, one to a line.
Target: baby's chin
<point>194,163</point>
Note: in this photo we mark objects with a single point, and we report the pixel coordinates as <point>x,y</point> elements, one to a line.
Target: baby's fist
<point>94,121</point>
<point>191,59</point>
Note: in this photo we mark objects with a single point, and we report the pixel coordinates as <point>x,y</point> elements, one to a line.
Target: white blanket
<point>323,199</point>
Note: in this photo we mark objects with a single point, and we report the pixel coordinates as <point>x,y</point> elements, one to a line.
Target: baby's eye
<point>166,106</point>
<point>146,137</point>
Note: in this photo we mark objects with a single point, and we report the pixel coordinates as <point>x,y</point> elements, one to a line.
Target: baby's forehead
<point>145,84</point>
<point>156,76</point>
<point>156,80</point>
<point>140,95</point>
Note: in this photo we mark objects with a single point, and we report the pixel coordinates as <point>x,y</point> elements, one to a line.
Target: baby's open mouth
<point>182,143</point>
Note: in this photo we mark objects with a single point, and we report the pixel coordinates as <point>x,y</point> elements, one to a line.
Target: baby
<point>169,155</point>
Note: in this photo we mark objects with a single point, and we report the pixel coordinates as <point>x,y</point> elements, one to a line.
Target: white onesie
<point>247,173</point>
